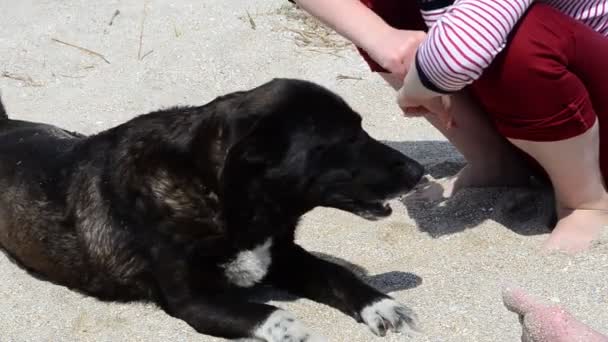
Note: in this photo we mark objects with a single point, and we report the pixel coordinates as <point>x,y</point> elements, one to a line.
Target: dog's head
<point>307,148</point>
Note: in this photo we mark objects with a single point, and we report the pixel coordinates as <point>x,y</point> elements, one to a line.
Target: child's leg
<point>537,94</point>
<point>491,159</point>
<point>574,169</point>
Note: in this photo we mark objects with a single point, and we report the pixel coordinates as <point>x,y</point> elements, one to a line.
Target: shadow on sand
<point>526,211</point>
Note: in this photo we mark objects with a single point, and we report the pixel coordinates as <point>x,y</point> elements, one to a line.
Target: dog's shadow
<point>388,282</point>
<point>526,211</point>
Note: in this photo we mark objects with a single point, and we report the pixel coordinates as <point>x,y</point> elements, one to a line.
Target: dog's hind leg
<point>224,315</point>
<point>302,273</point>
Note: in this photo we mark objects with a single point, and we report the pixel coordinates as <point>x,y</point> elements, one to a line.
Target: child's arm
<point>462,41</point>
<point>391,48</point>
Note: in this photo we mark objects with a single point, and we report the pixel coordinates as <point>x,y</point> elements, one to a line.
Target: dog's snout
<point>412,170</point>
<point>417,170</point>
<point>397,164</point>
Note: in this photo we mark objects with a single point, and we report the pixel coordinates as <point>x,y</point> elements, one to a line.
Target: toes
<point>518,301</point>
<point>409,317</point>
<point>282,326</point>
<point>388,314</point>
<point>379,326</point>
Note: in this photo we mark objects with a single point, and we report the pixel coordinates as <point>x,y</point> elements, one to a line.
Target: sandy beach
<point>87,66</point>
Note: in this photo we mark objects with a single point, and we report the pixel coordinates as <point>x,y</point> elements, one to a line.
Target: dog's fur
<point>188,205</point>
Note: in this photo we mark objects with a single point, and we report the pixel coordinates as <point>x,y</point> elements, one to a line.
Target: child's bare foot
<point>542,323</point>
<point>576,230</point>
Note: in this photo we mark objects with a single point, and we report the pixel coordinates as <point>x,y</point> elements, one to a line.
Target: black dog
<point>188,206</point>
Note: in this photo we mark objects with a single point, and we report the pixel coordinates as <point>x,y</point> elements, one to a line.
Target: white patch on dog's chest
<point>249,267</point>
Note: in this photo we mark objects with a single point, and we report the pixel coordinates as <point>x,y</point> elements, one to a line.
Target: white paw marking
<point>249,267</point>
<point>282,326</point>
<point>388,314</point>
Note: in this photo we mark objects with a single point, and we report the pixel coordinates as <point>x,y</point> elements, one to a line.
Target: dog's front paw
<point>282,326</point>
<point>388,314</point>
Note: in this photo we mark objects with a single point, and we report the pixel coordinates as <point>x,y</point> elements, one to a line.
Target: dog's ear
<point>258,150</point>
<point>245,167</point>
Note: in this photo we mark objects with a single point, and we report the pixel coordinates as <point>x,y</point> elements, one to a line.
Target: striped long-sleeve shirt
<point>465,35</point>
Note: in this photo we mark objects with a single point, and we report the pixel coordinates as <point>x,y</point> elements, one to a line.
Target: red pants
<point>550,82</point>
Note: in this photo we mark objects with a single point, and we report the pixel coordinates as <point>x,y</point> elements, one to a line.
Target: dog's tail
<point>3,115</point>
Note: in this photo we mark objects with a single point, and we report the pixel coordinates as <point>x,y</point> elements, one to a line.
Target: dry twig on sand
<point>26,79</point>
<point>177,32</point>
<point>310,34</point>
<point>141,29</point>
<point>71,76</point>
<point>141,33</point>
<point>113,17</point>
<point>146,54</point>
<point>346,77</point>
<point>251,22</point>
<point>306,31</point>
<point>90,52</point>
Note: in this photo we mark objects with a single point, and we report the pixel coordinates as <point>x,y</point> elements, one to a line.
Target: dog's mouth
<point>374,210</point>
<point>370,210</point>
<point>370,206</point>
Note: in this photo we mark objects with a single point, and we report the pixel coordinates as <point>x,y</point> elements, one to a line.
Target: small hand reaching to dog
<point>417,100</point>
<point>396,53</point>
<point>438,106</point>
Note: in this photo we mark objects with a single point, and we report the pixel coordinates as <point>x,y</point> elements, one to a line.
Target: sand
<point>446,260</point>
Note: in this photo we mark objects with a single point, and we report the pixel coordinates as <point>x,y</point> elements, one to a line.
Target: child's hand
<point>438,106</point>
<point>395,50</point>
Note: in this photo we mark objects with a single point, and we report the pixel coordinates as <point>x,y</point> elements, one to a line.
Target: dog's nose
<point>416,171</point>
<point>413,171</point>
